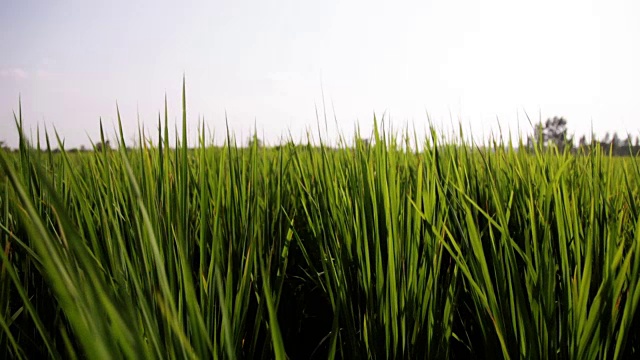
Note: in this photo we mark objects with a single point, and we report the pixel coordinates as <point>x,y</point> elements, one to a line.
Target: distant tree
<point>615,141</point>
<point>100,146</point>
<point>582,143</point>
<point>626,145</point>
<point>555,131</point>
<point>3,146</point>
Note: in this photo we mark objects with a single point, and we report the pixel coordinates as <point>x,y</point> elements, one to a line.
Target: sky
<point>268,65</point>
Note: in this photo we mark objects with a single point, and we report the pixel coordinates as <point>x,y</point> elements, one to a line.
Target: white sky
<point>265,63</point>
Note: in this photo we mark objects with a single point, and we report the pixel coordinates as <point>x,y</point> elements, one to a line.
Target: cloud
<point>14,73</point>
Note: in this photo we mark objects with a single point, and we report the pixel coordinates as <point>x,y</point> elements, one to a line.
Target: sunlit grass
<point>369,251</point>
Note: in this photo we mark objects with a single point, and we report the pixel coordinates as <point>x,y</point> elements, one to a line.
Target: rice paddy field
<point>370,251</point>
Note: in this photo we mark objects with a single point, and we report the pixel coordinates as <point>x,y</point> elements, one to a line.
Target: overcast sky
<point>266,62</point>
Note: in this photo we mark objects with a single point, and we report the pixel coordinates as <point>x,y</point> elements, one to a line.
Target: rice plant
<point>374,250</point>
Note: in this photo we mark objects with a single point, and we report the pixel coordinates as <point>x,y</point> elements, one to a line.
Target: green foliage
<point>373,251</point>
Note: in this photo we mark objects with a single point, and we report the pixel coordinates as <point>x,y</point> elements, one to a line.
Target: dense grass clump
<point>370,251</point>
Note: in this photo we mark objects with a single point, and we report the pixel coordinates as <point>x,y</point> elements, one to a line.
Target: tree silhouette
<point>555,131</point>
<point>100,146</point>
<point>615,141</point>
<point>607,139</point>
<point>582,143</point>
<point>626,145</point>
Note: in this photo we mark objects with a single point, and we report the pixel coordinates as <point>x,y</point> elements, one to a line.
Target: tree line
<point>555,132</point>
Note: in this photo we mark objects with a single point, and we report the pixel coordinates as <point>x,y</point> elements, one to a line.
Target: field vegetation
<point>375,250</point>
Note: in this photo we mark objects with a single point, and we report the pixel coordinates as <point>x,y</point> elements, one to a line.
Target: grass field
<point>371,251</point>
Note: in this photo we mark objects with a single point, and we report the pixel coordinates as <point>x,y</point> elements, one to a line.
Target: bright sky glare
<point>482,63</point>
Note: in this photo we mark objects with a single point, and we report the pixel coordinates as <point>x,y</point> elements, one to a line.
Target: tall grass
<point>370,251</point>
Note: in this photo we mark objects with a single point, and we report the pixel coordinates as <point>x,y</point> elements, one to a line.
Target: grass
<point>370,251</point>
